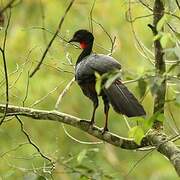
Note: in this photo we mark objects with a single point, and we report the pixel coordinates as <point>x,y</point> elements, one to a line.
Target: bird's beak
<point>72,40</point>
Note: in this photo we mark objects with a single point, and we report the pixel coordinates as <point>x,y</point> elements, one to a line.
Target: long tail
<point>123,101</point>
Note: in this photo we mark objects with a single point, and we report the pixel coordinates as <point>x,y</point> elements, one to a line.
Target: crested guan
<point>121,99</point>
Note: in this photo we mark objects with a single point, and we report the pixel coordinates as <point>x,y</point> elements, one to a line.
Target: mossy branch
<point>154,138</point>
<point>84,125</point>
<point>159,101</point>
<point>157,137</point>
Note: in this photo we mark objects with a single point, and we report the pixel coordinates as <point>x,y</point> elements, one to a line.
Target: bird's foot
<point>104,130</point>
<point>92,122</point>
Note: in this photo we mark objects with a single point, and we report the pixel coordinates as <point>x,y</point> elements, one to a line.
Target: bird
<point>88,63</point>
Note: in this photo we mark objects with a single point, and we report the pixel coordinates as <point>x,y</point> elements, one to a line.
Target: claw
<point>92,122</point>
<point>104,130</point>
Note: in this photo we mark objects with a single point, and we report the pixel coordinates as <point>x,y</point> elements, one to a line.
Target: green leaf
<point>157,37</point>
<point>177,51</point>
<point>155,117</point>
<point>98,83</point>
<point>161,23</point>
<point>41,178</point>
<point>177,102</point>
<point>81,156</point>
<point>111,78</point>
<point>139,120</point>
<point>165,38</point>
<point>149,122</point>
<point>136,133</point>
<point>84,177</point>
<point>177,34</point>
<point>142,86</point>
<point>160,117</point>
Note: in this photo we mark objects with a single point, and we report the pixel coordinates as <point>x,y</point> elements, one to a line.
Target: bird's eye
<point>78,37</point>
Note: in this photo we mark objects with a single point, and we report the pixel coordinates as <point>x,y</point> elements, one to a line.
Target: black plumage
<point>121,99</point>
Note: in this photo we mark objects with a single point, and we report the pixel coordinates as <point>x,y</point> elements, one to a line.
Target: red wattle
<point>83,45</point>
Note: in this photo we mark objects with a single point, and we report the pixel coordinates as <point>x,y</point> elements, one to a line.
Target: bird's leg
<point>95,105</point>
<point>106,111</point>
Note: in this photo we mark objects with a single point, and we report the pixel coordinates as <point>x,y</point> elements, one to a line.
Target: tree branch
<point>3,52</point>
<point>33,144</point>
<point>154,138</point>
<point>8,5</point>
<point>178,4</point>
<point>165,147</point>
<point>72,121</point>
<point>53,38</point>
<point>159,101</point>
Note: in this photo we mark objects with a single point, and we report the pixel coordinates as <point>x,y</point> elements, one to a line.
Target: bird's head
<point>84,37</point>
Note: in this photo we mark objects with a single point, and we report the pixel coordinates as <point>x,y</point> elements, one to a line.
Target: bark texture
<point>154,138</point>
<point>159,101</point>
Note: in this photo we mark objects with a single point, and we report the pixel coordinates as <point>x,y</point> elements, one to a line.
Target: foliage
<point>33,23</point>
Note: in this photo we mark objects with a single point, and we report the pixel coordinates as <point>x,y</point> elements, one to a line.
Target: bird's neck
<point>87,51</point>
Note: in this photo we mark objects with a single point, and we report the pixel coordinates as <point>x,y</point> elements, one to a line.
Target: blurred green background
<point>26,43</point>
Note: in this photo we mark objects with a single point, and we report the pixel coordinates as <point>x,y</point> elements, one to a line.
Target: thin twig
<point>58,35</point>
<point>137,41</point>
<point>7,6</point>
<point>138,17</point>
<point>18,67</point>
<point>33,144</point>
<point>151,149</point>
<point>13,149</point>
<point>137,163</point>
<point>171,14</point>
<point>44,97</point>
<point>91,16</point>
<point>63,93</point>
<point>127,123</point>
<point>79,141</point>
<point>145,5</point>
<point>58,69</point>
<point>178,4</point>
<point>113,40</point>
<point>27,90</point>
<point>3,49</point>
<point>51,41</point>
<point>43,20</point>
<point>47,169</point>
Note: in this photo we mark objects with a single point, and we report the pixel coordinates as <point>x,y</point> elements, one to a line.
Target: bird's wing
<point>102,63</point>
<point>86,69</point>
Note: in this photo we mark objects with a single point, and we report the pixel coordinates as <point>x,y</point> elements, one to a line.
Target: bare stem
<point>159,101</point>
<point>53,38</point>
<point>3,52</point>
